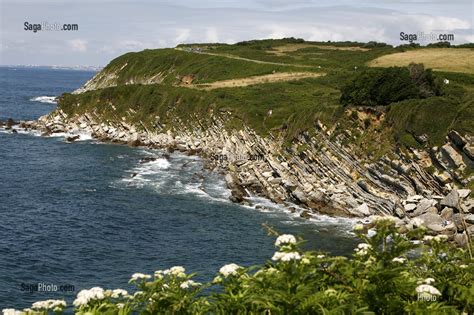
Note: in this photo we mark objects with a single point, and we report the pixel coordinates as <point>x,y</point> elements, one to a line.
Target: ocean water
<point>72,216</point>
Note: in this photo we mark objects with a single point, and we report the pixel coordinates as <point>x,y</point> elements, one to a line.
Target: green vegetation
<point>311,54</point>
<point>171,64</point>
<point>139,103</point>
<point>295,105</point>
<point>389,273</point>
<point>373,87</point>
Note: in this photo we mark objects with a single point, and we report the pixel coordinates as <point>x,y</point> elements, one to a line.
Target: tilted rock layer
<point>316,172</point>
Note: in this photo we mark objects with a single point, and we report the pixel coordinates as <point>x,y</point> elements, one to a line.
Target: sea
<point>75,216</point>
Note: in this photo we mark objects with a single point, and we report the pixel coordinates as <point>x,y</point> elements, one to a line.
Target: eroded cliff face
<point>110,78</point>
<point>317,173</point>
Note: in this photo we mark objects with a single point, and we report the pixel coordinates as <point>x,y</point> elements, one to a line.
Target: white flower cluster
<point>427,289</point>
<point>380,218</point>
<point>285,239</point>
<point>85,296</point>
<point>362,249</point>
<point>400,260</point>
<point>188,284</point>
<point>371,233</point>
<point>55,305</point>
<point>230,269</point>
<point>429,280</point>
<point>437,238</point>
<point>11,311</point>
<point>177,271</point>
<point>139,276</point>
<point>119,292</point>
<point>286,256</point>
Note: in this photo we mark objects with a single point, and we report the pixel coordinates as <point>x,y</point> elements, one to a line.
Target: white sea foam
<point>18,130</point>
<point>151,173</point>
<point>83,136</point>
<point>153,167</point>
<point>44,99</point>
<point>178,176</point>
<point>318,220</point>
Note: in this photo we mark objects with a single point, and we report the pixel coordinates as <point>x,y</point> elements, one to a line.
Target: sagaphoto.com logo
<point>49,27</point>
<point>426,37</point>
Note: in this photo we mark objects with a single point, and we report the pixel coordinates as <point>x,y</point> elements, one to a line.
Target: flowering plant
<point>389,273</point>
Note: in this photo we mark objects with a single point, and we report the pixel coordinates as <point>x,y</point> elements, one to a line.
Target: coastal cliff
<point>324,178</point>
<point>335,161</point>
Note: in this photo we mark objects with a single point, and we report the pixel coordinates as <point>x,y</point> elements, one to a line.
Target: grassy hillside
<point>172,64</point>
<point>295,104</point>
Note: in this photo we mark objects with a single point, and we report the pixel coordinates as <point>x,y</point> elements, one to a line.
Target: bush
<point>389,273</point>
<point>373,44</point>
<point>439,45</point>
<point>373,86</point>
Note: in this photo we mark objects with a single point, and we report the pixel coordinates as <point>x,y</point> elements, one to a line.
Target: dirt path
<point>246,59</point>
<point>261,79</point>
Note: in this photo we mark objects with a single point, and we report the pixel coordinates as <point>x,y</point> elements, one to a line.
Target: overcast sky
<point>110,28</point>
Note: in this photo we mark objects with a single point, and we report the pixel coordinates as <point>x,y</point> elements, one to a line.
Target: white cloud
<point>132,45</point>
<point>182,35</point>
<point>78,45</point>
<point>212,35</point>
<point>166,23</point>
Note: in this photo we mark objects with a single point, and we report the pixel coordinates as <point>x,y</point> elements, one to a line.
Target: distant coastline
<point>57,67</point>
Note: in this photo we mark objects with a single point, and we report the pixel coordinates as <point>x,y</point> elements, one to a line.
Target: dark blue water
<point>71,214</point>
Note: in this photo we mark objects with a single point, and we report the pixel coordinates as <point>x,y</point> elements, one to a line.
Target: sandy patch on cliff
<point>261,79</point>
<point>350,48</point>
<point>289,48</point>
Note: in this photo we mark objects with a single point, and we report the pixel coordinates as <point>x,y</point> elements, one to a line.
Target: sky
<point>107,29</point>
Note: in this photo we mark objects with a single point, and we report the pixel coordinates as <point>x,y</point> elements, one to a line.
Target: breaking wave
<point>44,99</point>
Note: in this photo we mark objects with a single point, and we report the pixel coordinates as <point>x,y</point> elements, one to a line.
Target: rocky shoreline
<point>317,173</point>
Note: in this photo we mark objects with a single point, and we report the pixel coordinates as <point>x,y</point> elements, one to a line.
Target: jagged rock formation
<point>316,172</point>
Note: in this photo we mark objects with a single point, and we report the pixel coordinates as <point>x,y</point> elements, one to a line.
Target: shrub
<point>379,87</point>
<point>373,44</point>
<point>439,45</point>
<point>374,86</point>
<point>389,273</point>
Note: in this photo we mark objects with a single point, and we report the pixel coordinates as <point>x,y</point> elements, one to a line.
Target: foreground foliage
<point>389,273</point>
